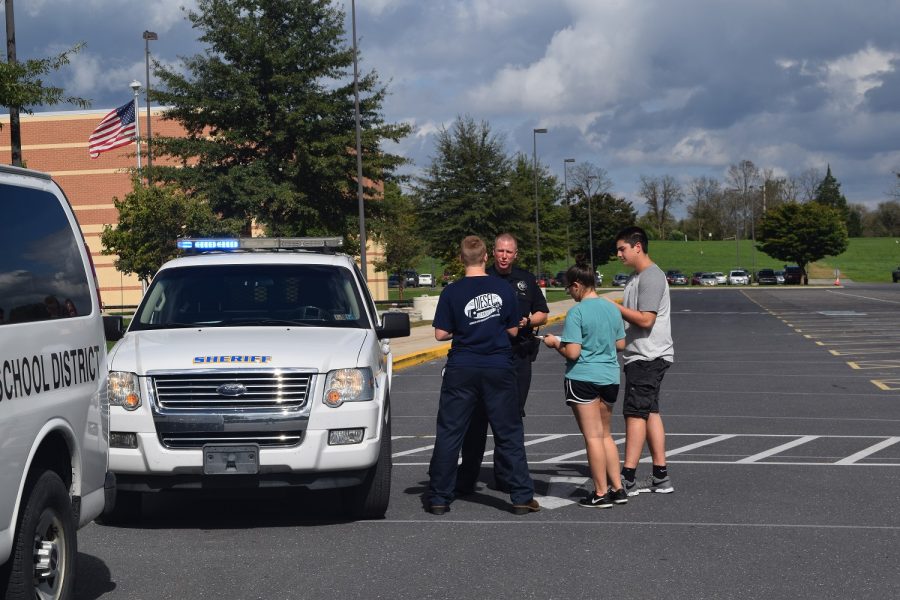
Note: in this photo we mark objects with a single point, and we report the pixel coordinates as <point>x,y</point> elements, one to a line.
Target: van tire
<point>128,509</point>
<point>46,522</point>
<point>370,499</point>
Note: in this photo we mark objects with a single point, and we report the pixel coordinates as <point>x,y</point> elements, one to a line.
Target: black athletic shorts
<point>583,392</point>
<point>642,381</point>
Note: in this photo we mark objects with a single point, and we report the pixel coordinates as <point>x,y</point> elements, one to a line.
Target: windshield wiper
<point>266,321</point>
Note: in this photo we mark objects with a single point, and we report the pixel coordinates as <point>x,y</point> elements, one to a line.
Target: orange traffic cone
<point>837,280</point>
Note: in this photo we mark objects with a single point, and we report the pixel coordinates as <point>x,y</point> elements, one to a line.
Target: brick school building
<point>57,143</point>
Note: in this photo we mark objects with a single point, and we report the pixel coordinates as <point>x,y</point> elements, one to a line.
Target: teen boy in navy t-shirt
<point>479,314</point>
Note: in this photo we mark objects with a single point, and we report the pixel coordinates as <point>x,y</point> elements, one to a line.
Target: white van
<point>255,362</point>
<point>54,414</point>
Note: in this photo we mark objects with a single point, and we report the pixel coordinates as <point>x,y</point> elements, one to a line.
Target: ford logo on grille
<point>232,389</point>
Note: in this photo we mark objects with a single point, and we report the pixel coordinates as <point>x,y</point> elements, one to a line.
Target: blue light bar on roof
<point>209,244</point>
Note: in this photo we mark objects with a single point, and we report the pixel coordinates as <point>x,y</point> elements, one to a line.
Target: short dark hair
<point>634,235</point>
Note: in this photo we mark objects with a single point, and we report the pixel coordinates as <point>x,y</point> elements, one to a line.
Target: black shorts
<point>642,381</point>
<point>583,392</point>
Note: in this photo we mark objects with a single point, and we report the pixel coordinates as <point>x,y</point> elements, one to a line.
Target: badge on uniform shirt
<point>521,286</point>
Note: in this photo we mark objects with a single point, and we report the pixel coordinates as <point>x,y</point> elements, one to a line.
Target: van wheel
<point>42,564</point>
<point>127,509</point>
<point>370,500</point>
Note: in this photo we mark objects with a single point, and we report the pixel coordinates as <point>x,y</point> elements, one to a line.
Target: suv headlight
<point>124,390</point>
<point>349,385</point>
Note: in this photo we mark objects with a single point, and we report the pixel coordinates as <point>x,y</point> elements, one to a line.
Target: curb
<point>417,358</point>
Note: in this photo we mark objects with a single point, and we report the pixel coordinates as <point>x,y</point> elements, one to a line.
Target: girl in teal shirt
<point>591,337</point>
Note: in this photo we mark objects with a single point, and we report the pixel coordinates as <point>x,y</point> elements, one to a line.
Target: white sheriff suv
<point>53,409</point>
<point>260,362</point>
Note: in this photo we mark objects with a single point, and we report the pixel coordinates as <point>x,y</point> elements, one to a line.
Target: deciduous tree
<point>803,233</point>
<point>150,221</point>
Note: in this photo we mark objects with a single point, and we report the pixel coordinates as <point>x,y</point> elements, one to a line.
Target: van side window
<point>41,273</point>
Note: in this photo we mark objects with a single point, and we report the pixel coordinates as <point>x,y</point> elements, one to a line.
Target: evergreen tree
<point>466,190</point>
<point>269,114</point>
<point>829,194</point>
<point>608,215</point>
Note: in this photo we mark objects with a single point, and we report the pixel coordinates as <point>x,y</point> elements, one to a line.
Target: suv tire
<point>46,523</point>
<point>370,499</point>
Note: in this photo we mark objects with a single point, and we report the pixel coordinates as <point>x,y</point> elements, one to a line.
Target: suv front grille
<point>252,391</point>
<point>266,439</point>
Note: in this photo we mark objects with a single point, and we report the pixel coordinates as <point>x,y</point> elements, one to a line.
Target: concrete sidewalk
<point>421,346</point>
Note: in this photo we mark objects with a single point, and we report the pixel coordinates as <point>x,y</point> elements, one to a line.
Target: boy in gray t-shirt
<point>648,353</point>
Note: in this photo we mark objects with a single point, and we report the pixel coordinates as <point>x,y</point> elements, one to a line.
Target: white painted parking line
<point>546,438</point>
<point>565,457</point>
<point>778,449</point>
<point>870,450</point>
<point>715,440</point>
<point>413,451</point>
<point>560,491</point>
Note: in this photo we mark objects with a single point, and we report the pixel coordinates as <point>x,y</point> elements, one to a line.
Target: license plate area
<point>224,459</point>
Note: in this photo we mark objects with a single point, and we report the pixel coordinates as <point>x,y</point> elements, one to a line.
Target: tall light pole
<point>566,162</point>
<point>537,222</point>
<point>15,128</point>
<point>148,35</point>
<point>359,172</point>
<point>590,224</point>
<point>136,88</point>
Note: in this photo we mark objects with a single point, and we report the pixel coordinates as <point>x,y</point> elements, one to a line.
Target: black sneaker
<point>619,496</point>
<point>592,500</point>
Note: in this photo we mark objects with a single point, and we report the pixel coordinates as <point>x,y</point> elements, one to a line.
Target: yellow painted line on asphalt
<point>874,364</point>
<point>888,385</point>
<point>417,358</point>
<point>852,351</point>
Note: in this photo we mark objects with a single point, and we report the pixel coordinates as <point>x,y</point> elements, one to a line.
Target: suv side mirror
<point>393,325</point>
<point>113,327</point>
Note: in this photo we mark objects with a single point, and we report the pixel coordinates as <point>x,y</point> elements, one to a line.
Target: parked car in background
<point>779,277</point>
<point>793,275</point>
<point>766,277</point>
<point>545,280</point>
<point>446,278</point>
<point>677,278</point>
<point>411,279</point>
<point>426,279</point>
<point>708,279</point>
<point>560,279</point>
<point>738,277</point>
<point>599,277</point>
<point>720,278</point>
<point>695,277</point>
<point>895,274</point>
<point>393,281</point>
<point>620,280</point>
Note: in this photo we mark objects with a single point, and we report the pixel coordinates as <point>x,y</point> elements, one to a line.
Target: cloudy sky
<point>679,87</point>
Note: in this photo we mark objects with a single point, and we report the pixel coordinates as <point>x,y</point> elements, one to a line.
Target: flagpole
<point>136,87</point>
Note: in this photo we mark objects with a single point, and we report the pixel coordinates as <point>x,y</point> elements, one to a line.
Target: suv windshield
<point>258,294</point>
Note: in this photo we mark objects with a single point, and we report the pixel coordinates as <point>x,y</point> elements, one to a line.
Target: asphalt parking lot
<point>783,420</point>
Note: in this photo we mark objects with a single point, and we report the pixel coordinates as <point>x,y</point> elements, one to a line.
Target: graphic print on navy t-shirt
<point>483,307</point>
<point>477,311</point>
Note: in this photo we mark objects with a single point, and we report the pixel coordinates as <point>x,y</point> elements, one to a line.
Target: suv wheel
<point>42,564</point>
<point>370,500</point>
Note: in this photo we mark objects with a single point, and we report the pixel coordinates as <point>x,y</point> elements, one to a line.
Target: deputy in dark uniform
<point>533,311</point>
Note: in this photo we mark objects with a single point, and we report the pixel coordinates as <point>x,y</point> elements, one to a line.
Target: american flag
<point>117,129</point>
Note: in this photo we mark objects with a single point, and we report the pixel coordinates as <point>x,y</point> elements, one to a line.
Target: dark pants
<point>476,435</point>
<point>465,389</point>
